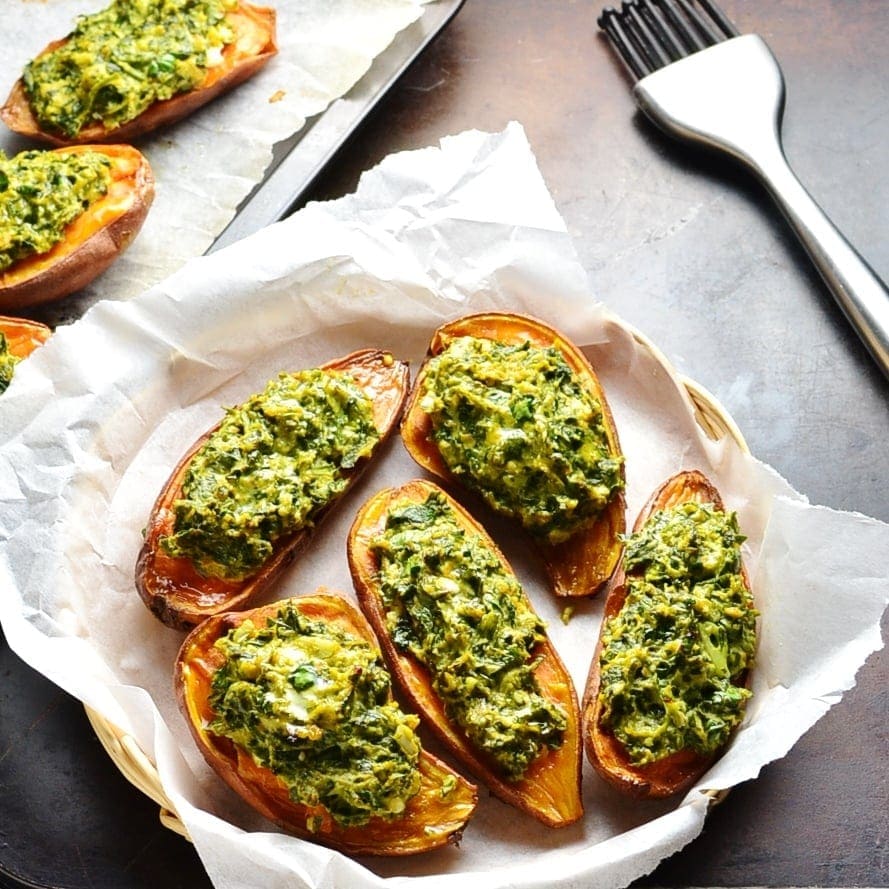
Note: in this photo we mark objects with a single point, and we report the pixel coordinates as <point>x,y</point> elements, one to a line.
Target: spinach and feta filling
<point>8,361</point>
<point>311,703</point>
<point>450,603</point>
<point>274,462</point>
<point>42,192</point>
<point>684,637</point>
<point>516,424</point>
<point>121,60</point>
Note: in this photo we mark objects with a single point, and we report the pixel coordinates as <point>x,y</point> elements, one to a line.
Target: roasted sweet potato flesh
<point>92,241</point>
<point>171,586</point>
<point>431,819</point>
<point>253,46</point>
<point>550,789</point>
<point>583,564</point>
<point>677,772</point>
<point>23,336</point>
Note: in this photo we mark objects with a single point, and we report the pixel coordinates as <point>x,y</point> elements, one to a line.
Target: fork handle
<point>731,97</point>
<point>863,297</point>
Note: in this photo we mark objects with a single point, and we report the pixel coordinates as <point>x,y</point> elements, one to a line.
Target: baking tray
<point>298,161</point>
<point>63,774</point>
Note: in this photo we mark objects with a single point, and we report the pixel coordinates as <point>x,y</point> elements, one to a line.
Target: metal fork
<point>700,81</point>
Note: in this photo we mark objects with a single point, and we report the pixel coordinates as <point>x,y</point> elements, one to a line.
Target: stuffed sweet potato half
<point>467,649</point>
<point>249,492</point>
<point>668,682</point>
<point>508,407</point>
<point>18,339</point>
<point>65,216</point>
<point>133,67</point>
<point>290,704</point>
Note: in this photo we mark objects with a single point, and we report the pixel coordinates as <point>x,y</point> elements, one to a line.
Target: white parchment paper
<point>207,164</point>
<point>95,420</point>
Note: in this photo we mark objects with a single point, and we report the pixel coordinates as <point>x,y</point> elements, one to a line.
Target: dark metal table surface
<point>690,251</point>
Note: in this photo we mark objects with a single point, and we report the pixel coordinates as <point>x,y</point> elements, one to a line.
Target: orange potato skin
<point>195,665</point>
<point>583,564</point>
<point>92,241</point>
<point>253,46</point>
<point>672,774</point>
<point>550,790</point>
<point>23,336</point>
<point>174,590</point>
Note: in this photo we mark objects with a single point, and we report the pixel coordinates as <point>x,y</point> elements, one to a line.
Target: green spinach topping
<point>119,61</point>
<point>41,192</point>
<point>311,703</point>
<point>684,636</point>
<point>515,423</point>
<point>8,361</point>
<point>451,604</point>
<point>274,462</point>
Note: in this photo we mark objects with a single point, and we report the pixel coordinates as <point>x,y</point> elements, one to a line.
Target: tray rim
<point>300,159</point>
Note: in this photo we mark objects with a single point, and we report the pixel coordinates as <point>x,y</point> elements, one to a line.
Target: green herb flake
<point>271,466</point>
<point>684,636</point>
<point>8,361</point>
<point>42,192</point>
<point>340,741</point>
<point>450,603</point>
<point>515,424</point>
<point>121,60</point>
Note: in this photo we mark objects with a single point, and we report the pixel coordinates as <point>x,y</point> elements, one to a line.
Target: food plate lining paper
<point>95,420</point>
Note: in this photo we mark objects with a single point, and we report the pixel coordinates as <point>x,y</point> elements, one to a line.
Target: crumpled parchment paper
<point>207,164</point>
<point>95,420</point>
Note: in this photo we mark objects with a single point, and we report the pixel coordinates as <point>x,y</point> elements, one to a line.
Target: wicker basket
<point>142,772</point>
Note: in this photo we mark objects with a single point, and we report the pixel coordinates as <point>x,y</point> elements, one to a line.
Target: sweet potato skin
<point>254,45</point>
<point>93,241</point>
<point>583,564</point>
<point>550,791</point>
<point>171,587</point>
<point>429,820</point>
<point>672,774</point>
<point>23,336</point>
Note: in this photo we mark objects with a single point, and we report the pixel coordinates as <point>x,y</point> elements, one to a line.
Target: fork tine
<point>674,15</point>
<point>646,40</point>
<point>650,34</point>
<point>610,23</point>
<point>704,27</point>
<point>720,18</point>
<point>669,38</point>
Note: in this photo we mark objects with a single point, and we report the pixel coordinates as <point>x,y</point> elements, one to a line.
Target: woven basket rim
<point>139,769</point>
<point>136,767</point>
